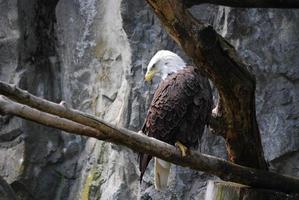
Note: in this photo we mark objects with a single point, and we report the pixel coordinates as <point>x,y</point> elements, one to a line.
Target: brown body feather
<point>179,111</point>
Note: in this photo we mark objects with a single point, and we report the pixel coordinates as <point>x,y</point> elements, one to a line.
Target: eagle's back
<point>179,111</point>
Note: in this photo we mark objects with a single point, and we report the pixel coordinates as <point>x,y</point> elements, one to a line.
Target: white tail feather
<point>162,169</point>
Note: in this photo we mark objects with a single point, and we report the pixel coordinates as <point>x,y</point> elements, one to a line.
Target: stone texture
<point>93,55</point>
<point>6,192</point>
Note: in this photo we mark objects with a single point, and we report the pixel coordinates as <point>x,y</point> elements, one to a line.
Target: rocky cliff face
<point>93,54</point>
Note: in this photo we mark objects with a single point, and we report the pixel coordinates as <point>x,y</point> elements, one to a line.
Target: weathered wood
<point>215,57</point>
<point>10,107</point>
<point>247,3</point>
<point>41,109</point>
<point>221,190</point>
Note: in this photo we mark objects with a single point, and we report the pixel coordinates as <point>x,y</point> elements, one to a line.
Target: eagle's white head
<point>164,63</point>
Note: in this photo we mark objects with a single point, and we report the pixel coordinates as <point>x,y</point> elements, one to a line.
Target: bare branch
<point>246,3</point>
<point>216,123</point>
<point>61,109</point>
<point>8,106</point>
<point>141,143</point>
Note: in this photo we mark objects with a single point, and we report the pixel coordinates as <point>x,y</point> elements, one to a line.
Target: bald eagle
<point>179,111</point>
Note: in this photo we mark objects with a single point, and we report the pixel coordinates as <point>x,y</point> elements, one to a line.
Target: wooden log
<point>222,190</point>
<point>247,3</point>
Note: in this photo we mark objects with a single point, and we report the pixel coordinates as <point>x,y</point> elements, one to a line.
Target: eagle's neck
<point>172,70</point>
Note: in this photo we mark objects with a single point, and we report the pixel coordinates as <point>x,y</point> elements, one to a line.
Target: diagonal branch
<point>219,61</point>
<point>216,123</point>
<point>247,3</point>
<point>8,106</point>
<point>71,119</point>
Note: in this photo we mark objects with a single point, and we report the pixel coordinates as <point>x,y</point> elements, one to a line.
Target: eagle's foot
<point>182,148</point>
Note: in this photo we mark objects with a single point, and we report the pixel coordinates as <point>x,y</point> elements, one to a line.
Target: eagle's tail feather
<point>162,169</point>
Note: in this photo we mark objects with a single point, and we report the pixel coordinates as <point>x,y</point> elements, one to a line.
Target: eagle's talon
<point>183,149</point>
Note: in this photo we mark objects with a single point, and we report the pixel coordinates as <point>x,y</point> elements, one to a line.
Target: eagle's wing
<point>170,104</point>
<point>171,101</point>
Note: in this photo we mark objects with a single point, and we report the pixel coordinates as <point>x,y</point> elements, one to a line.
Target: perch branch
<point>246,3</point>
<point>8,106</point>
<point>141,143</point>
<point>216,123</point>
<point>215,57</point>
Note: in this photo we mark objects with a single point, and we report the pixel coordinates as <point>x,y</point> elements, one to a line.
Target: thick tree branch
<point>138,142</point>
<point>216,123</point>
<point>218,59</point>
<point>247,3</point>
<point>8,106</point>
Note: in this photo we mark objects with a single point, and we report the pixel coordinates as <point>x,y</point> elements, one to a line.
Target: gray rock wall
<point>93,55</point>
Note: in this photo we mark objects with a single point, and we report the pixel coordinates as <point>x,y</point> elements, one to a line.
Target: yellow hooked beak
<point>149,75</point>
